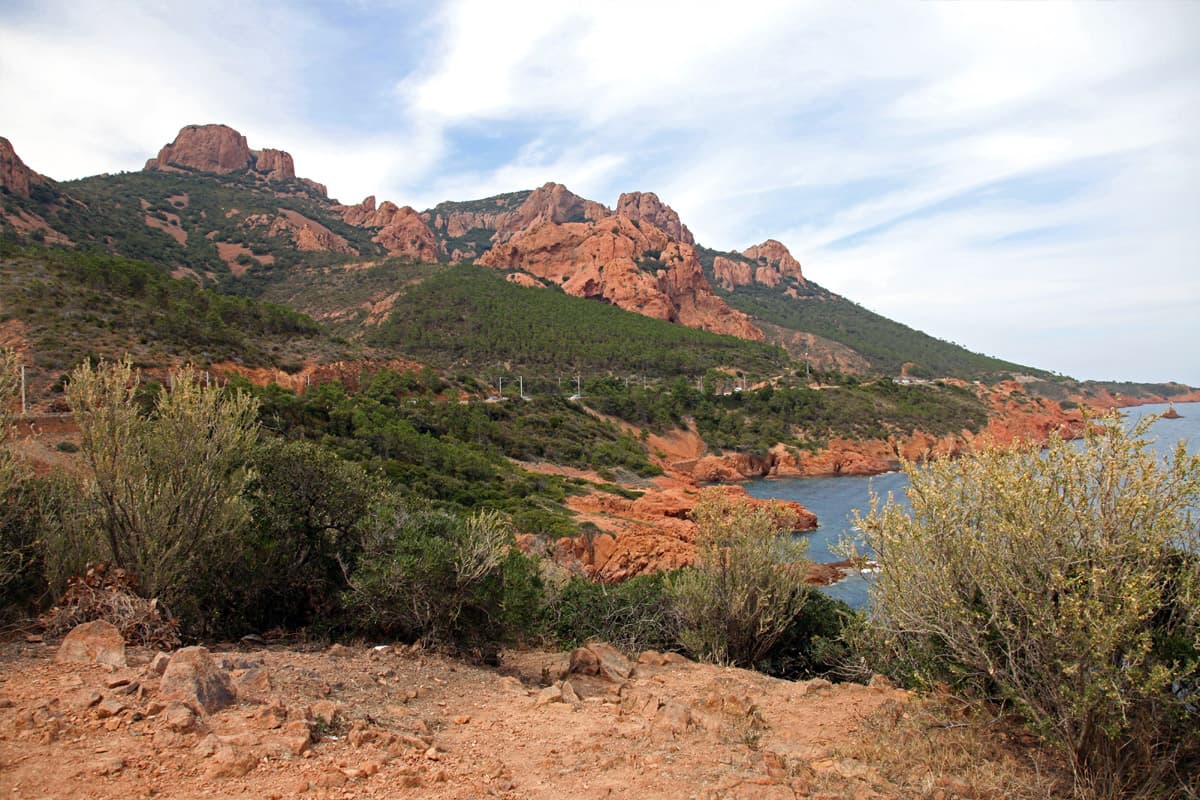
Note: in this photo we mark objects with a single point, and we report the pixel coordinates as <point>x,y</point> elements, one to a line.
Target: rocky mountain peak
<point>639,206</point>
<point>208,148</point>
<point>222,150</point>
<point>774,256</point>
<point>555,203</point>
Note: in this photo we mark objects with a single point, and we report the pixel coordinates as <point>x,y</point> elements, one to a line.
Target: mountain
<point>210,208</point>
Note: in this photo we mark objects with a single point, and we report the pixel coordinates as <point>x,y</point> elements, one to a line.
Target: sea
<point>835,500</point>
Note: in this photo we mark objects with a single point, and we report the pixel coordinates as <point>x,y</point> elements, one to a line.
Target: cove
<point>834,500</point>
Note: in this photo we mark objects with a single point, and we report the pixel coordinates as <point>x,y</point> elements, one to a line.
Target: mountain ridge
<point>211,208</point>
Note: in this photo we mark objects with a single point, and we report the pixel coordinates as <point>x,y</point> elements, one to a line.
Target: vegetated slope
<point>890,347</point>
<point>798,415</point>
<point>215,225</point>
<point>470,316</point>
<point>70,305</point>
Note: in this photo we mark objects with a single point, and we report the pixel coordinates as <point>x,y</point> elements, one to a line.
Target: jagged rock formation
<point>646,206</point>
<point>498,219</point>
<point>769,264</point>
<point>15,177</point>
<point>402,231</point>
<point>208,148</point>
<point>306,235</point>
<point>222,150</point>
<point>775,263</point>
<point>635,266</point>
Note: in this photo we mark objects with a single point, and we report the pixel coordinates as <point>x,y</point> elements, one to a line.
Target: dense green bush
<point>443,578</point>
<point>1064,584</point>
<point>814,643</point>
<point>14,545</point>
<point>290,565</point>
<point>634,615</point>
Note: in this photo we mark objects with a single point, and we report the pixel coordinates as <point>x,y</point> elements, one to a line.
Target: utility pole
<point>23,407</point>
<point>521,386</point>
<point>579,385</point>
<point>502,388</point>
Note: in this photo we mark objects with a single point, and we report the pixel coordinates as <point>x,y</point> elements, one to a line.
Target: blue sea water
<point>834,500</point>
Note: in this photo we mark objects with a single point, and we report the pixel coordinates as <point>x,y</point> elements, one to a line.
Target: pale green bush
<point>17,547</point>
<point>163,486</point>
<point>748,582</point>
<point>1064,584</point>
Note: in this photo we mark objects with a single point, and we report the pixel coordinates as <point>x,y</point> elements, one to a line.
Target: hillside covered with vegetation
<point>892,348</point>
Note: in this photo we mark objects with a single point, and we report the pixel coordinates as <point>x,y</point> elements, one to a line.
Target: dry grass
<point>939,749</point>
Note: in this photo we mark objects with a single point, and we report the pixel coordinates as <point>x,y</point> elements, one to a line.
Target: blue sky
<point>1020,178</point>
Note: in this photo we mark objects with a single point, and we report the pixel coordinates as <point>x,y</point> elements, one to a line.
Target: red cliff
<point>277,165</point>
<point>635,267</point>
<point>15,177</point>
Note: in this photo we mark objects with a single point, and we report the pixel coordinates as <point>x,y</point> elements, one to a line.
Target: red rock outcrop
<point>222,150</point>
<point>358,215</point>
<point>608,259</point>
<point>512,214</point>
<point>305,234</point>
<point>650,534</point>
<point>775,263</point>
<point>320,188</point>
<point>277,165</point>
<point>730,274</point>
<point>645,206</point>
<point>552,203</point>
<point>406,234</point>
<point>14,175</point>
<point>402,231</point>
<point>208,148</point>
<point>1014,416</point>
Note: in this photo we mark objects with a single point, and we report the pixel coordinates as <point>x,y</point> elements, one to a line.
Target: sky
<point>1019,178</point>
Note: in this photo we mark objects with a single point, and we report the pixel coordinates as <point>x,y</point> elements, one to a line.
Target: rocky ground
<point>359,722</point>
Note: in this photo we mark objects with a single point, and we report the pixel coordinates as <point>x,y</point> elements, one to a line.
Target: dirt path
<point>362,722</point>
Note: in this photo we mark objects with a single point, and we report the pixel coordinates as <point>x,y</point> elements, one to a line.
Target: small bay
<point>834,500</point>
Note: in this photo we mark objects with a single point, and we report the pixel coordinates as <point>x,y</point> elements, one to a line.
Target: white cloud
<point>813,123</point>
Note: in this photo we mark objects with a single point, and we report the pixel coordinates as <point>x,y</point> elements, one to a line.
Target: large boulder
<point>603,660</point>
<point>96,642</point>
<point>193,678</point>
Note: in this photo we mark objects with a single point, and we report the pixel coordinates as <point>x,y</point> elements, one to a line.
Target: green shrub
<point>633,615</point>
<point>748,583</point>
<point>814,643</point>
<point>289,565</point>
<point>17,541</point>
<point>1063,584</point>
<point>442,578</point>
